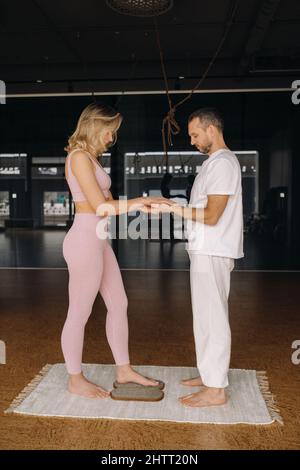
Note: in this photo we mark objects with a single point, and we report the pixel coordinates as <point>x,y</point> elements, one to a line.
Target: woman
<point>91,261</point>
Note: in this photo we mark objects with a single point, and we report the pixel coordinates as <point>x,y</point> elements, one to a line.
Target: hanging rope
<point>169,122</point>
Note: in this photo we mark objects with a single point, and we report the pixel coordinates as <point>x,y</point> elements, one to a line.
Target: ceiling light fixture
<point>142,8</point>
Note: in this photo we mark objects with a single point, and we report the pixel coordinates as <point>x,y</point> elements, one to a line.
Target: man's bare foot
<point>79,385</point>
<point>127,374</point>
<point>207,397</point>
<point>194,382</point>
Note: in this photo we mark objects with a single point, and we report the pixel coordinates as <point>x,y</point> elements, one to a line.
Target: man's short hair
<point>208,116</point>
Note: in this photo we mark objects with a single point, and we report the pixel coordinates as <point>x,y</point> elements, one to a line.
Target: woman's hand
<point>152,205</point>
<point>157,205</point>
<point>157,200</point>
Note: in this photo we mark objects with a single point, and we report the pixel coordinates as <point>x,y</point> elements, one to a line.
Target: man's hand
<point>149,201</point>
<point>161,208</point>
<point>155,205</point>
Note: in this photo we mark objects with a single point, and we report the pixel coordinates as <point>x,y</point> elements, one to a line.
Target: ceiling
<point>51,46</point>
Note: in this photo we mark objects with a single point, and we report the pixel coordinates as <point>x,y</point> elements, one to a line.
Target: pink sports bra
<point>102,177</point>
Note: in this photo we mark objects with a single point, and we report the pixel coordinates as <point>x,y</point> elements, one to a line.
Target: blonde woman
<point>91,261</point>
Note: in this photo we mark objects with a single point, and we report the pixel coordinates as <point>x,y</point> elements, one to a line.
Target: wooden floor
<point>265,321</point>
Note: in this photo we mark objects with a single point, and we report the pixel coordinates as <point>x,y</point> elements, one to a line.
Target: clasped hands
<point>156,205</point>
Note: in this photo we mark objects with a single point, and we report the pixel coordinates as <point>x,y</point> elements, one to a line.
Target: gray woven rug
<point>250,400</point>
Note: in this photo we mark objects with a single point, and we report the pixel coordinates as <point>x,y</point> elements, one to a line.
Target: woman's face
<point>108,136</point>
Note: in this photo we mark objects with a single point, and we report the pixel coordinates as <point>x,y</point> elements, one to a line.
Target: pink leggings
<point>92,268</point>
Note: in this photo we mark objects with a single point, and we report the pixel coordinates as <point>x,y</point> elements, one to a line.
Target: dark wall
<point>294,203</point>
<point>266,122</point>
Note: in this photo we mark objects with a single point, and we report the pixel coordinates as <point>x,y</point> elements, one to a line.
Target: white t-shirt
<point>219,174</point>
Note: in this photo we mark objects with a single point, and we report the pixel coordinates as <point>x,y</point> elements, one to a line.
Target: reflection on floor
<point>43,248</point>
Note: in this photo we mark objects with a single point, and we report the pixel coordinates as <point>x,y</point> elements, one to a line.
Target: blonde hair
<point>92,121</point>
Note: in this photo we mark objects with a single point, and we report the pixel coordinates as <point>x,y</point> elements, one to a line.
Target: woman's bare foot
<point>79,385</point>
<point>194,382</point>
<point>207,397</point>
<point>127,374</point>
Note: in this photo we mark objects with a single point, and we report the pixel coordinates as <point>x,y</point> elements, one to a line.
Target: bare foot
<point>127,374</point>
<point>79,385</point>
<point>194,382</point>
<point>207,397</point>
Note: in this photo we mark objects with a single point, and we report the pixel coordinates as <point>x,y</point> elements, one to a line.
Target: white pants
<point>210,285</point>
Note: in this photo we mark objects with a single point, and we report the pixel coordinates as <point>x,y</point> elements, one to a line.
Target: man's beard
<point>205,149</point>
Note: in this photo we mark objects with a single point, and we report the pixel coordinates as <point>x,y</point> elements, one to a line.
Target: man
<point>215,239</point>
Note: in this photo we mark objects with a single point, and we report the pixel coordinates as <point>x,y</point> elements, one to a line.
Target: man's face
<point>199,136</point>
